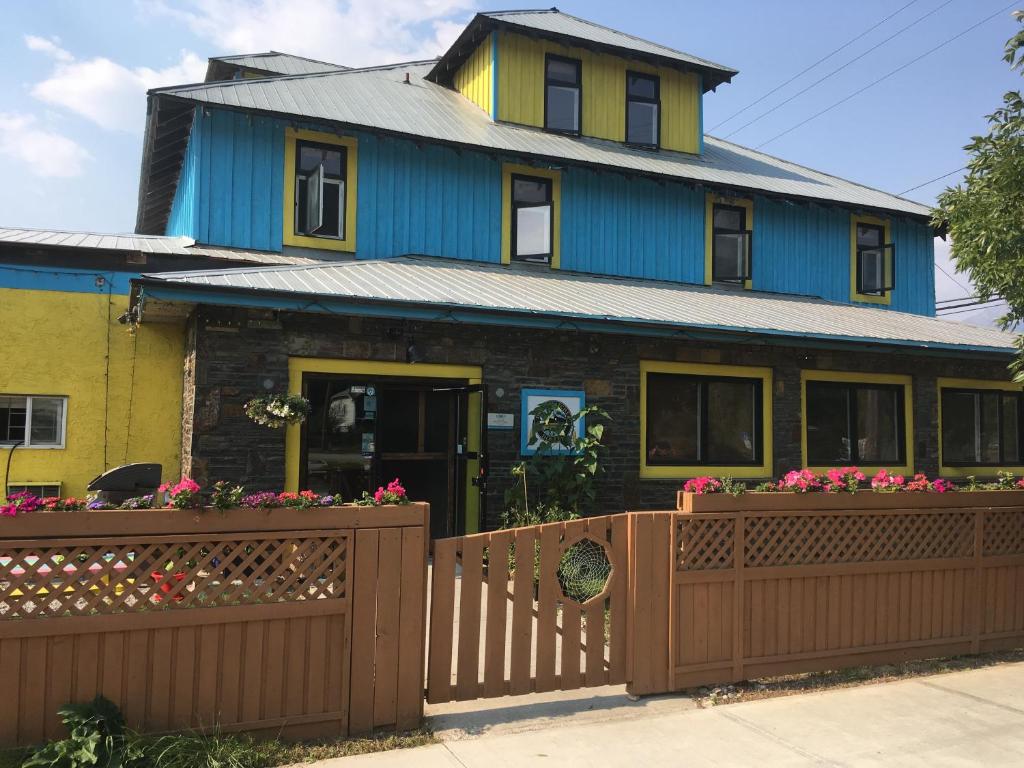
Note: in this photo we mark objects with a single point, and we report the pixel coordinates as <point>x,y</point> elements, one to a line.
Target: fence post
<point>651,589</point>
<point>738,596</point>
<point>978,589</point>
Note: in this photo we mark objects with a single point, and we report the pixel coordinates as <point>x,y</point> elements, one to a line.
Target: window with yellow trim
<point>863,420</point>
<point>872,260</point>
<point>729,226</point>
<point>705,419</point>
<point>320,190</point>
<point>981,426</point>
<point>531,202</point>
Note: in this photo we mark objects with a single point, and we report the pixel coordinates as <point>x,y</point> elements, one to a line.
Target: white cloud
<point>351,32</point>
<point>105,92</point>
<point>50,46</point>
<point>44,152</point>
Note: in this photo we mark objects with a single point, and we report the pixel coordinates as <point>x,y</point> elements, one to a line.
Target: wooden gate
<point>532,609</point>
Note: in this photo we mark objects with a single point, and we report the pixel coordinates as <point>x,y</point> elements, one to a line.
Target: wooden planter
<point>100,522</point>
<point>861,500</point>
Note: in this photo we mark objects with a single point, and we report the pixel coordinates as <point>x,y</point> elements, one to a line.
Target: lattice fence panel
<point>163,573</point>
<point>704,544</point>
<point>837,538</point>
<point>1004,532</point>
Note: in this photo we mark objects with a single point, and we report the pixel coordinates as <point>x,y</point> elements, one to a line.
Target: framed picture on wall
<point>564,404</point>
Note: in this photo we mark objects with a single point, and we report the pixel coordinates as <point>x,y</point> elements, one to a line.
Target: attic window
<point>874,270</point>
<point>562,94</point>
<point>320,190</point>
<point>643,109</point>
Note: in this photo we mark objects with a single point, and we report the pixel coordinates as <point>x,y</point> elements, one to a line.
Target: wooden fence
<point>531,609</point>
<point>307,623</point>
<point>779,591</point>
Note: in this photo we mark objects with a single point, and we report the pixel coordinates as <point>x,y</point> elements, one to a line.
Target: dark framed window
<point>643,109</point>
<point>704,420</point>
<point>563,94</point>
<point>533,218</point>
<point>320,189</point>
<point>730,244</point>
<point>850,423</point>
<point>982,428</point>
<point>874,278</point>
<point>33,421</point>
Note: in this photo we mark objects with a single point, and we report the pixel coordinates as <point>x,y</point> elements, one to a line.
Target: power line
<point>807,69</point>
<point>840,68</point>
<point>932,181</point>
<point>947,309</point>
<point>943,271</point>
<point>956,300</point>
<point>964,311</point>
<point>898,69</point>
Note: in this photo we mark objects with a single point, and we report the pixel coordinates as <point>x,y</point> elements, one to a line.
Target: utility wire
<point>932,181</point>
<point>840,68</point>
<point>900,68</point>
<point>957,299</point>
<point>947,309</point>
<point>807,69</point>
<point>943,271</point>
<point>964,311</point>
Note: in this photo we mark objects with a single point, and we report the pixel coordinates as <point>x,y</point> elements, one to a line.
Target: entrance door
<point>364,432</point>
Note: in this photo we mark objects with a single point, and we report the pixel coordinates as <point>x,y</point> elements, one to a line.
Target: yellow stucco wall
<point>521,91</point>
<point>124,390</point>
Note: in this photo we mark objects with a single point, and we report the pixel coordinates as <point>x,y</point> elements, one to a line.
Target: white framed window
<point>33,421</point>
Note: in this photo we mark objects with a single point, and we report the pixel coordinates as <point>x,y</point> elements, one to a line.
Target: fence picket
<point>522,612</point>
<point>467,685</point>
<point>497,612</point>
<point>547,607</point>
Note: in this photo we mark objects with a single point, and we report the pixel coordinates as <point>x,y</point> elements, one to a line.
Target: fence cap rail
<point>123,522</point>
<point>861,501</point>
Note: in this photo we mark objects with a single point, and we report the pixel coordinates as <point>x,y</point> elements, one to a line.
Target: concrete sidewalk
<point>973,718</point>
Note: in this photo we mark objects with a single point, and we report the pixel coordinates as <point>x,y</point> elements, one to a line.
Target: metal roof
<point>277,63</point>
<point>378,99</point>
<point>572,30</point>
<point>529,292</point>
<point>150,244</point>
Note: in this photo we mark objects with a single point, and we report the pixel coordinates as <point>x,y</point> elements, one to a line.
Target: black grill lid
<point>128,477</point>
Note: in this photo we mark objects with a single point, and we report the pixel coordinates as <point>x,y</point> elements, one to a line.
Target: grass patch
<point>789,685</point>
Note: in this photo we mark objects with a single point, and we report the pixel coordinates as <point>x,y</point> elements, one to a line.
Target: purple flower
<point>262,500</point>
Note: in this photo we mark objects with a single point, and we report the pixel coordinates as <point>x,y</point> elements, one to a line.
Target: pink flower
<point>885,482</point>
<point>702,485</point>
<point>944,486</point>
<point>801,481</point>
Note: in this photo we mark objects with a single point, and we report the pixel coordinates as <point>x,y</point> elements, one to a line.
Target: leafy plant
<point>184,494</point>
<point>274,411</point>
<point>394,493</point>
<point>226,496</point>
<point>96,737</point>
<point>562,473</point>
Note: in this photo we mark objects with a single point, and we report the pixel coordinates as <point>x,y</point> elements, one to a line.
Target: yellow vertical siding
<point>521,91</point>
<point>124,390</point>
<point>475,78</point>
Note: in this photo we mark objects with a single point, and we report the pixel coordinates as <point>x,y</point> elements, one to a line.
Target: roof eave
<point>298,301</point>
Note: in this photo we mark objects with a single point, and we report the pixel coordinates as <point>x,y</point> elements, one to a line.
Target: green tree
<point>985,212</point>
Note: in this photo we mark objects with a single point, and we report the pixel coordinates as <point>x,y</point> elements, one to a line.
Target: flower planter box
<point>100,522</point>
<point>861,500</point>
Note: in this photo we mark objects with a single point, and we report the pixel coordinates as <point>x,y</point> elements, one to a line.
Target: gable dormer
<point>550,70</point>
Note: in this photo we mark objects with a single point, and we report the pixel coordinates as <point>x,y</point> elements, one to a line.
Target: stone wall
<point>239,354</point>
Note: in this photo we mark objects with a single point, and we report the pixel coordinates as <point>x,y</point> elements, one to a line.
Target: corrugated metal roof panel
<point>378,98</point>
<point>280,63</point>
<point>531,291</point>
<point>558,23</point>
<point>154,244</point>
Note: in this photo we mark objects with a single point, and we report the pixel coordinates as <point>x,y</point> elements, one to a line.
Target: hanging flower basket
<point>275,411</point>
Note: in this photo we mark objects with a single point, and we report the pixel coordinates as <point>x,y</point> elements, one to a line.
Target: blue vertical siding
<point>617,225</point>
<point>417,198</point>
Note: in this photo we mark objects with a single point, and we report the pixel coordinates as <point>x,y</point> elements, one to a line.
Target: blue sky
<point>74,77</point>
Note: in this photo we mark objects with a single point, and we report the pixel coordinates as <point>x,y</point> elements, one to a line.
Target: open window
<point>531,210</point>
<point>730,245</point>
<point>699,419</point>
<point>562,94</point>
<point>33,421</point>
<point>320,173</point>
<point>643,109</point>
<point>873,270</point>
<point>982,427</point>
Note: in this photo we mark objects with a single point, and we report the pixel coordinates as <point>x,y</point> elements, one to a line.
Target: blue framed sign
<point>567,403</point>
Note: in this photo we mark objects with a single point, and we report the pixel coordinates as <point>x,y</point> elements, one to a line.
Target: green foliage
<point>766,487</point>
<point>560,479</point>
<point>733,487</point>
<point>226,496</point>
<point>985,212</point>
<point>96,737</point>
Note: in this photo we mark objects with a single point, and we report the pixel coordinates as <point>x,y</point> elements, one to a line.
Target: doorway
<point>365,430</point>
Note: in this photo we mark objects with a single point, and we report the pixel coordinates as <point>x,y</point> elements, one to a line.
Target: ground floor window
<point>703,416</point>
<point>981,427</point>
<point>32,421</point>
<point>855,424</point>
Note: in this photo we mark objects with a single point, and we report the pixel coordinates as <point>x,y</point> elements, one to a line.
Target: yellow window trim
<point>507,170</point>
<point>471,374</point>
<point>948,383</point>
<point>351,190</point>
<point>848,377</point>
<point>709,227</point>
<point>702,369</point>
<point>887,234</point>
